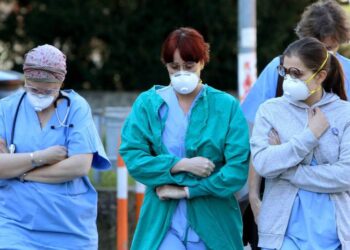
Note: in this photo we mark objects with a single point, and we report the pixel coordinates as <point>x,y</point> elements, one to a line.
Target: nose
<point>180,73</point>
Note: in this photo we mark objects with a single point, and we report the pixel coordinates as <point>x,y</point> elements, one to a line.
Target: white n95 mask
<point>184,82</point>
<point>40,102</point>
<point>295,89</point>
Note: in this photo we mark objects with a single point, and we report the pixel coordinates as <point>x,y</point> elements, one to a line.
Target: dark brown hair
<point>325,18</point>
<point>190,44</point>
<point>313,53</point>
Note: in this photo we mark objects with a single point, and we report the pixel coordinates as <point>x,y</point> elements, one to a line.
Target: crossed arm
<point>54,165</point>
<point>167,173</point>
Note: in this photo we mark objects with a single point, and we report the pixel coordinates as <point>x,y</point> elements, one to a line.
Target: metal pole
<point>246,46</point>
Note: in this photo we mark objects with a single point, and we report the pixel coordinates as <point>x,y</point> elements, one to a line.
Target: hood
<point>326,99</point>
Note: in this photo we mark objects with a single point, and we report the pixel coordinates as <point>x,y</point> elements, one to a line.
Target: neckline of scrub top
<point>50,122</point>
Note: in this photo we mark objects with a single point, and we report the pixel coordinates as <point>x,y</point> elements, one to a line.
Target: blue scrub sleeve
<point>345,62</point>
<point>83,138</point>
<point>2,124</point>
<point>263,89</point>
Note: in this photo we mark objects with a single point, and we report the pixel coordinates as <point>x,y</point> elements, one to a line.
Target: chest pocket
<point>32,139</point>
<point>73,187</point>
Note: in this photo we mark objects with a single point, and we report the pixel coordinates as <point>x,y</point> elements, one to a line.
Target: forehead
<point>43,85</point>
<point>293,61</point>
<point>330,42</point>
<point>177,57</point>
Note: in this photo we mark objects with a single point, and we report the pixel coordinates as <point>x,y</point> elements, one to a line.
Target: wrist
<point>180,166</point>
<point>315,132</point>
<point>36,161</point>
<point>22,177</point>
<point>254,197</point>
<point>187,192</point>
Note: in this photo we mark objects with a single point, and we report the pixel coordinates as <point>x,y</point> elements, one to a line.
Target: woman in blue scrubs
<point>47,147</point>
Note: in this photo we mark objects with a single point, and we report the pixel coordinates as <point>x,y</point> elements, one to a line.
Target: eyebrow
<point>40,89</point>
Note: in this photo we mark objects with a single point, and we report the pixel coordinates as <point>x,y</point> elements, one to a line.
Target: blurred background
<point>113,53</point>
<point>115,44</point>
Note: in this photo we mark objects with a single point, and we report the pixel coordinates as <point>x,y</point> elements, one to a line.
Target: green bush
<point>115,44</point>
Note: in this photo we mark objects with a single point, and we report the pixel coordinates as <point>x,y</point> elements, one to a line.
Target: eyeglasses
<point>40,91</point>
<point>187,66</point>
<point>293,72</point>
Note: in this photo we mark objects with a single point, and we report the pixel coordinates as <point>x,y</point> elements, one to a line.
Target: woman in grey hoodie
<point>301,145</point>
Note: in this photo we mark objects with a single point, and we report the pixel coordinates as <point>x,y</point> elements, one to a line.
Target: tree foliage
<point>115,44</point>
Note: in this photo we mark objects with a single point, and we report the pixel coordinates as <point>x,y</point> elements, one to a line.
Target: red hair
<point>189,42</point>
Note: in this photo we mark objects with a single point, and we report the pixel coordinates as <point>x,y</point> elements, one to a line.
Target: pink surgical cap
<point>45,63</point>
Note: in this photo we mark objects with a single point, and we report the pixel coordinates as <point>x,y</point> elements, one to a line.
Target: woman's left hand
<point>170,192</point>
<point>3,147</point>
<point>274,138</point>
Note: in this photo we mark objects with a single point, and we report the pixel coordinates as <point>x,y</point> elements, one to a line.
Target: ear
<point>321,76</point>
<point>201,65</point>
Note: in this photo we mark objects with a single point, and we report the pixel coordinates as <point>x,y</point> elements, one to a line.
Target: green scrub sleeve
<point>232,176</point>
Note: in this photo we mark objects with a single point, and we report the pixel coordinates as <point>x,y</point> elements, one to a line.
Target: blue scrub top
<point>265,86</point>
<point>37,215</point>
<point>312,222</point>
<point>173,137</point>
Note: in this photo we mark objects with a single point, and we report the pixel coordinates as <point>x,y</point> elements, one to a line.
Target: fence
<point>109,122</point>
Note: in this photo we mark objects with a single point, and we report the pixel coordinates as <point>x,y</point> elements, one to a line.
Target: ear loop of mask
<point>314,74</point>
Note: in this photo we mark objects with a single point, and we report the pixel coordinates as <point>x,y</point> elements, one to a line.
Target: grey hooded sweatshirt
<point>286,167</point>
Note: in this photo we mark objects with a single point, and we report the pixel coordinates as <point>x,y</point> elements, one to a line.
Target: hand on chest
<point>291,124</point>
